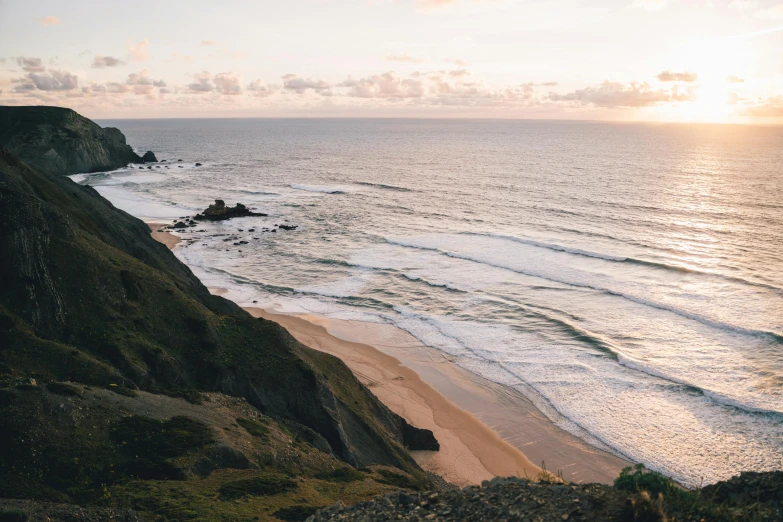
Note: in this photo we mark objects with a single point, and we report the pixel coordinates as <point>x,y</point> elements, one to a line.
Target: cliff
<point>125,384</point>
<point>60,141</point>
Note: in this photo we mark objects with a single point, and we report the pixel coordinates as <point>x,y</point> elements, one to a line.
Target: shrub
<point>12,515</point>
<point>255,428</point>
<point>59,388</point>
<point>257,487</point>
<point>637,478</point>
<point>341,475</point>
<point>295,513</point>
<point>398,480</point>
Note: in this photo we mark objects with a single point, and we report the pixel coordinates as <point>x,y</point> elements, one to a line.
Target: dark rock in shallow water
<point>180,224</point>
<point>60,141</point>
<point>287,227</point>
<point>149,157</point>
<point>219,211</point>
<point>198,164</point>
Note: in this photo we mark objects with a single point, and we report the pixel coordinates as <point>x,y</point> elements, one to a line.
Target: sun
<point>714,61</point>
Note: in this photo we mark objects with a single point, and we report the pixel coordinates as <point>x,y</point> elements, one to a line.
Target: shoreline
<point>484,429</point>
<point>163,236</point>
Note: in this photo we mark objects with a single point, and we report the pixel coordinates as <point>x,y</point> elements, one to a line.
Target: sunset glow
<point>658,60</point>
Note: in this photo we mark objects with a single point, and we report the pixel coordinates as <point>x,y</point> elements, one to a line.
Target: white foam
<point>320,188</point>
<point>143,208</point>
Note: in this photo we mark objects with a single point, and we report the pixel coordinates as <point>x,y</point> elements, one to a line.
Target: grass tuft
<point>341,475</point>
<point>295,513</point>
<point>257,487</point>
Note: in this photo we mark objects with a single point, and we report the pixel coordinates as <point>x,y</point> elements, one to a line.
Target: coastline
<point>484,429</point>
<point>158,234</point>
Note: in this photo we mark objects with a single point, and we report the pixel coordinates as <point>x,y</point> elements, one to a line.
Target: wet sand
<point>167,238</point>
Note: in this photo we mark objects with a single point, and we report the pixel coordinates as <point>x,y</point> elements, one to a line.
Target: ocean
<point>626,277</point>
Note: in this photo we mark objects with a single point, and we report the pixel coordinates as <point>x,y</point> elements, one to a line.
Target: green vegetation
<point>121,390</point>
<point>658,497</point>
<point>295,513</point>
<point>257,487</point>
<point>155,440</point>
<point>12,515</point>
<point>63,389</point>
<point>344,474</point>
<point>637,478</point>
<point>254,428</point>
<point>399,480</point>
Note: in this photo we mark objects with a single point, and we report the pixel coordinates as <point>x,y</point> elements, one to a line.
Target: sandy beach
<point>485,430</point>
<point>167,238</point>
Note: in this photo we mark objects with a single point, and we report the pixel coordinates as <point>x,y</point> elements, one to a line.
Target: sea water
<point>627,278</point>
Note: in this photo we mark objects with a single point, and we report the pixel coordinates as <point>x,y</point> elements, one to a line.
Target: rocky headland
<point>125,383</point>
<point>56,140</point>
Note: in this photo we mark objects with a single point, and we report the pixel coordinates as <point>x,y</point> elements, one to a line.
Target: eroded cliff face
<point>60,141</point>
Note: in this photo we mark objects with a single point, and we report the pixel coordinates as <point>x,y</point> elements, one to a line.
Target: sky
<point>629,60</point>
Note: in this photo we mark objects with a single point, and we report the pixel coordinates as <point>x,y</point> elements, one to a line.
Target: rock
<point>179,160</point>
<point>219,211</point>
<point>180,224</point>
<point>287,227</point>
<point>149,168</point>
<point>149,157</point>
<point>198,164</point>
<point>60,141</point>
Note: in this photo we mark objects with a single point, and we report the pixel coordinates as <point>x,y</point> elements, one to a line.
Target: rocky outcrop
<point>149,157</point>
<point>219,212</point>
<point>59,141</point>
<point>516,499</point>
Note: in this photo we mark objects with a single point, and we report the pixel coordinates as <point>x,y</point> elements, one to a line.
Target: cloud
<point>228,83</point>
<point>735,79</point>
<point>30,64</point>
<point>386,85</point>
<point>51,81</point>
<point>428,5</point>
<point>772,13</point>
<point>202,84</point>
<point>139,52</point>
<point>300,85</point>
<point>650,5</point>
<point>222,48</point>
<point>669,76</point>
<point>548,84</point>
<point>744,5</point>
<point>99,62</point>
<point>258,89</point>
<point>771,107</point>
<point>456,61</point>
<point>49,20</point>
<point>615,94</point>
<point>403,58</point>
<point>142,83</point>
